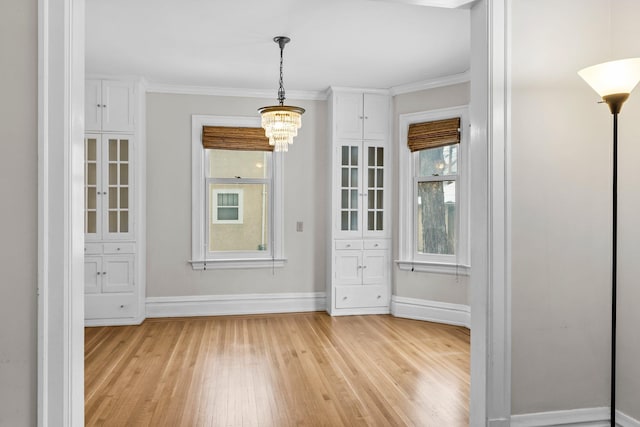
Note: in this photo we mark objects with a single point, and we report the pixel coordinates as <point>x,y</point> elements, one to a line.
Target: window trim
<point>200,259</point>
<point>409,259</point>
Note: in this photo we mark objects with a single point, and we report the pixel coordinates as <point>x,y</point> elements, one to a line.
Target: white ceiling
<point>228,43</point>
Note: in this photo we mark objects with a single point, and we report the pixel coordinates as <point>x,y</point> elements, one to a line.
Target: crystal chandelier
<point>281,122</point>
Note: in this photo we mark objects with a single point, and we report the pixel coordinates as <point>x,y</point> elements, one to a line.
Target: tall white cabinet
<point>114,202</point>
<point>359,281</point>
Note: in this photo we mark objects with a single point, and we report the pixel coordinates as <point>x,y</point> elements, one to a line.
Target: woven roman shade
<point>235,138</point>
<point>434,134</point>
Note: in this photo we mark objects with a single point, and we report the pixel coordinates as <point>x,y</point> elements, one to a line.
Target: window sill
<point>434,267</point>
<point>217,264</point>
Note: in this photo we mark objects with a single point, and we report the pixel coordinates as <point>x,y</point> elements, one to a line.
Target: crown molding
<point>431,83</point>
<point>321,95</point>
<point>238,92</point>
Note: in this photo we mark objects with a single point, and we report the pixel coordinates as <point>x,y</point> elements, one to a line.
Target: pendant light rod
<point>282,41</point>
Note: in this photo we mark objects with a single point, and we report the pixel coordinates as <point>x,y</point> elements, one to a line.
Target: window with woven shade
<point>435,191</point>
<point>237,190</point>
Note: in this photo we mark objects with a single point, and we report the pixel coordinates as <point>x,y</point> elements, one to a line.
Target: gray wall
<point>427,286</point>
<point>18,216</point>
<point>169,201</point>
<point>561,180</point>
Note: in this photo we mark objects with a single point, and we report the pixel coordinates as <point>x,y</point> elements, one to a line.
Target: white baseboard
<point>224,305</point>
<point>431,311</point>
<point>586,417</point>
<point>124,321</point>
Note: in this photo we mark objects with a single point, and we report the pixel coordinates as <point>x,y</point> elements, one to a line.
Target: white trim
<point>60,213</point>
<point>224,305</point>
<point>434,267</point>
<point>214,264</point>
<point>406,185</point>
<point>125,321</point>
<point>490,400</point>
<point>358,90</point>
<point>431,311</point>
<point>236,92</point>
<point>437,82</point>
<point>585,417</point>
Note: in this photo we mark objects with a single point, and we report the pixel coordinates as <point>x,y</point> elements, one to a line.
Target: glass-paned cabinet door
<point>117,174</point>
<point>375,193</point>
<point>349,188</point>
<point>92,187</point>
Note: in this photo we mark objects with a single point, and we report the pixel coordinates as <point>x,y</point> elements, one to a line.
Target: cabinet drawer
<point>93,248</point>
<point>376,244</point>
<point>361,296</point>
<point>348,244</point>
<point>119,248</point>
<point>110,306</point>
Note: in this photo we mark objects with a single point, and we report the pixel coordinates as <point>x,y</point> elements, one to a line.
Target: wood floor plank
<point>302,369</point>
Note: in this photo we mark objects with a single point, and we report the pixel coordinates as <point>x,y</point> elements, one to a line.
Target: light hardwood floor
<point>303,369</point>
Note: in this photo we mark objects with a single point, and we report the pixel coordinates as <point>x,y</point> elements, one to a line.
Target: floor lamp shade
<point>613,80</point>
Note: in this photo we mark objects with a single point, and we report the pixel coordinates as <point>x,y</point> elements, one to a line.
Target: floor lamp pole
<point>614,81</point>
<point>614,253</point>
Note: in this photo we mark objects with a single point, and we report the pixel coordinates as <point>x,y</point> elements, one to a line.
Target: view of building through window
<point>238,200</point>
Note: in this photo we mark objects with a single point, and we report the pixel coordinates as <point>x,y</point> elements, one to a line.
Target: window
<point>237,195</point>
<point>434,201</point>
<point>227,206</point>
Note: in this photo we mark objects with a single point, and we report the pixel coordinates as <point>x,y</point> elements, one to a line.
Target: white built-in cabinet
<point>110,106</point>
<point>114,283</point>
<point>359,277</point>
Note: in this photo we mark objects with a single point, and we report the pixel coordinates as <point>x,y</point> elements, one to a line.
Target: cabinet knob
<point>379,296</point>
<point>361,117</point>
<point>119,248</point>
<point>99,105</point>
<point>98,273</point>
<point>348,246</point>
<point>104,273</point>
<point>104,106</point>
<point>364,266</point>
<point>359,266</point>
<point>344,298</point>
<point>122,306</point>
<point>375,245</point>
<point>366,117</point>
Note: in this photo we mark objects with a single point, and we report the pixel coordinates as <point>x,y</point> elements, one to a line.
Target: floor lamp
<point>613,81</point>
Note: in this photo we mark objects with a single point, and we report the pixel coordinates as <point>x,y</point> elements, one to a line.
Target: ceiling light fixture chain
<point>281,40</point>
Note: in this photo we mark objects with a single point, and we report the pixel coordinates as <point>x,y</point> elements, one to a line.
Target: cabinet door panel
<point>375,206</point>
<point>349,189</point>
<point>374,267</point>
<point>116,178</point>
<point>117,110</point>
<point>376,116</point>
<point>92,274</point>
<point>117,274</point>
<point>92,187</point>
<point>348,115</point>
<point>93,105</point>
<point>348,266</point>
